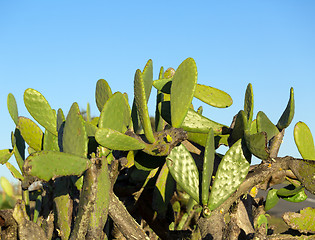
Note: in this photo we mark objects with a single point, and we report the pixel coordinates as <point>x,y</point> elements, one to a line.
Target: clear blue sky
<point>61,48</point>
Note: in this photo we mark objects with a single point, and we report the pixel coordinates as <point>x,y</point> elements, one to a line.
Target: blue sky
<point>61,48</point>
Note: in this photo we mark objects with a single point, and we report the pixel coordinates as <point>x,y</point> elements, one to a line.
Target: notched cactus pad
<point>182,90</point>
<point>303,221</point>
<point>48,164</point>
<point>40,110</point>
<point>231,172</point>
<point>183,168</point>
<point>304,141</point>
<point>213,96</point>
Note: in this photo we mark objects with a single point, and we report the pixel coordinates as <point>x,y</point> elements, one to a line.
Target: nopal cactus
<point>91,178</point>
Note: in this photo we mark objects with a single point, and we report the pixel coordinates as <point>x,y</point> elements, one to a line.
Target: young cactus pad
<point>12,107</point>
<point>213,96</point>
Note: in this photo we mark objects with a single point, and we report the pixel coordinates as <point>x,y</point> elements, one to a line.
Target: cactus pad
<point>182,90</point>
<point>5,155</point>
<point>213,96</point>
<point>183,168</point>
<point>49,164</point>
<point>304,141</point>
<point>231,172</point>
<point>265,125</point>
<point>303,221</point>
<point>288,114</point>
<point>40,110</point>
<point>102,93</point>
<point>31,133</point>
<point>249,102</point>
<point>12,107</point>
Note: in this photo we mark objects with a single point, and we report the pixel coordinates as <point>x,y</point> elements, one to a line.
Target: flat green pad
<point>74,138</point>
<point>12,107</point>
<point>249,102</point>
<point>182,90</point>
<point>304,141</point>
<point>183,168</point>
<point>272,199</point>
<point>208,164</point>
<point>40,110</point>
<point>303,221</point>
<point>194,122</point>
<point>48,164</point>
<point>115,140</point>
<point>102,93</point>
<point>265,125</point>
<point>257,144</point>
<point>288,114</point>
<point>239,127</point>
<point>31,133</point>
<point>141,92</point>
<point>5,155</point>
<point>231,172</point>
<point>115,113</point>
<point>213,96</point>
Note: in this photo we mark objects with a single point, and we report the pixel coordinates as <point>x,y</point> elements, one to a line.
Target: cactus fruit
<point>183,168</point>
<point>49,164</point>
<point>231,172</point>
<point>182,91</point>
<point>102,93</point>
<point>304,141</point>
<point>40,110</point>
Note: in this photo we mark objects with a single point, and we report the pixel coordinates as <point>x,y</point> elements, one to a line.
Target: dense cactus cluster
<point>169,176</point>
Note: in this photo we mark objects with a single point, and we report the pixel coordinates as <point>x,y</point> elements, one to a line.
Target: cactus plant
<point>171,177</point>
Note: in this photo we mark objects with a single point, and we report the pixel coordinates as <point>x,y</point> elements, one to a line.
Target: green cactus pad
<point>146,162</point>
<point>239,127</point>
<point>183,168</point>
<point>288,114</point>
<point>194,122</point>
<point>18,144</point>
<point>115,113</point>
<point>60,119</point>
<point>304,141</point>
<point>265,125</point>
<point>49,164</point>
<point>50,142</point>
<point>40,110</point>
<point>304,170</point>
<point>12,107</point>
<point>15,173</point>
<point>163,85</point>
<point>74,138</point>
<point>213,96</point>
<point>231,172</point>
<point>249,103</point>
<point>163,191</point>
<point>6,186</point>
<point>303,221</point>
<point>182,90</point>
<point>289,190</point>
<point>299,197</point>
<point>147,76</point>
<point>140,90</point>
<point>115,140</point>
<point>31,133</point>
<point>5,155</point>
<point>207,171</point>
<point>257,144</point>
<point>102,93</point>
<point>272,199</point>
<point>88,112</point>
